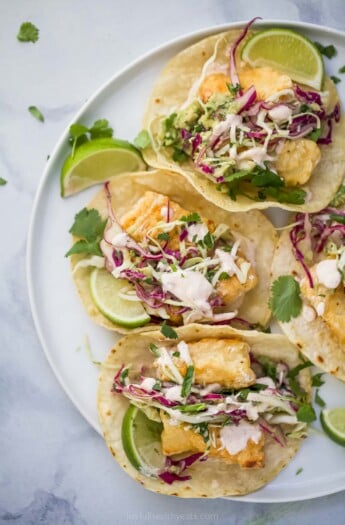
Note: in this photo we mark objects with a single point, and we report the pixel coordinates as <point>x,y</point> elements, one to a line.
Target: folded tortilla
<point>258,237</point>
<point>212,478</point>
<point>313,337</point>
<point>171,91</point>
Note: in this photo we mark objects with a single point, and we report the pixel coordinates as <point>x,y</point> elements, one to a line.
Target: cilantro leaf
<point>223,276</point>
<point>143,139</point>
<point>154,349</point>
<point>187,381</point>
<point>269,367</point>
<point>335,79</point>
<point>208,240</point>
<point>339,197</point>
<point>3,181</point>
<point>88,224</point>
<point>237,175</point>
<point>285,301</point>
<point>100,129</point>
<point>341,69</point>
<point>35,112</point>
<point>192,217</point>
<point>295,196</point>
<point>328,51</point>
<point>317,380</point>
<point>86,247</point>
<point>263,177</point>
<point>306,413</point>
<point>176,354</point>
<point>28,32</point>
<point>202,429</point>
<point>168,332</point>
<point>315,135</point>
<point>318,400</point>
<point>234,89</point>
<point>299,470</point>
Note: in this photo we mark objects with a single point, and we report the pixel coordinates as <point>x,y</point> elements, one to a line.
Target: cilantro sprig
<point>28,32</point>
<point>89,225</point>
<point>328,51</point>
<point>285,301</point>
<point>79,133</point>
<point>168,331</point>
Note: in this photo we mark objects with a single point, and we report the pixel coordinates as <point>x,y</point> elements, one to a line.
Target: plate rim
<point>29,266</point>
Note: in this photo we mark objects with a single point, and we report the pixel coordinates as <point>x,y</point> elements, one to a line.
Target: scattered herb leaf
<point>341,70</point>
<point>89,225</point>
<point>28,32</point>
<point>296,370</point>
<point>339,197</point>
<point>317,380</point>
<point>299,470</point>
<point>154,349</point>
<point>193,217</point>
<point>328,51</point>
<point>35,112</point>
<point>164,236</point>
<point>3,181</point>
<point>335,79</point>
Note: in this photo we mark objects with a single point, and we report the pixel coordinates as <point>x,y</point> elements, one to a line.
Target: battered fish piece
<point>329,303</point>
<point>222,361</point>
<point>297,161</point>
<point>267,81</point>
<point>153,208</point>
<point>178,439</point>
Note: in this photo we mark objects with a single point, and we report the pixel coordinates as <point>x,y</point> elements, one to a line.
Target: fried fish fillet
<point>177,439</point>
<point>222,361</point>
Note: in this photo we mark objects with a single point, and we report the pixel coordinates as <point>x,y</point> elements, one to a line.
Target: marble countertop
<point>55,469</point>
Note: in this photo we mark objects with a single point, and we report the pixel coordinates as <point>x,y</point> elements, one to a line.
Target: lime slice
<point>104,290</point>
<point>141,441</point>
<point>97,161</point>
<point>333,423</point>
<point>287,51</point>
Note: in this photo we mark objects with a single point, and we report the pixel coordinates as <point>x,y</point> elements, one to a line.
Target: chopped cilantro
<point>335,79</point>
<point>164,236</point>
<point>168,332</point>
<point>296,370</point>
<point>328,51</point>
<point>35,112</point>
<point>318,399</point>
<point>337,218</point>
<point>269,367</point>
<point>317,380</point>
<point>234,89</point>
<point>3,181</point>
<point>192,217</point>
<point>283,195</point>
<point>89,225</point>
<point>142,140</point>
<point>28,32</point>
<point>208,240</point>
<point>341,70</point>
<point>299,470</point>
<point>304,108</point>
<point>202,429</point>
<point>223,276</point>
<point>123,376</point>
<point>176,354</point>
<point>285,301</point>
<point>187,381</point>
<point>157,386</point>
<point>264,177</point>
<point>306,413</point>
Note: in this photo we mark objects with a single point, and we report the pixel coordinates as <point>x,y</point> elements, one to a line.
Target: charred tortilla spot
<point>320,359</point>
<point>157,100</point>
<point>299,345</point>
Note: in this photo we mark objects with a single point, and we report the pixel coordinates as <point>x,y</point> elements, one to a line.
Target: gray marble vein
<point>54,469</point>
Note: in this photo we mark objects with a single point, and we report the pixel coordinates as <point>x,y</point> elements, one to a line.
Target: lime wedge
<point>104,290</point>
<point>141,441</point>
<point>96,161</point>
<point>333,423</point>
<point>287,51</point>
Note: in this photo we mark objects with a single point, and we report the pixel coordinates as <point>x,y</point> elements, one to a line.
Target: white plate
<point>60,320</point>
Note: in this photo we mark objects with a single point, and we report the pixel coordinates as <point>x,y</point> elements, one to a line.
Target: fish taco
<point>150,242</point>
<point>313,251</point>
<point>245,137</point>
<point>215,412</point>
